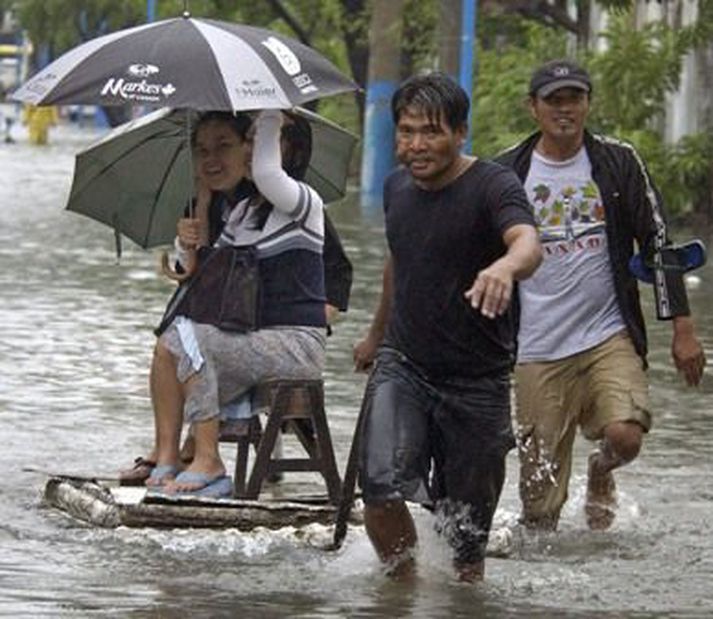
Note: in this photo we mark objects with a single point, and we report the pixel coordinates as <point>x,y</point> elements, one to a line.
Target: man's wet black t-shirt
<point>439,241</point>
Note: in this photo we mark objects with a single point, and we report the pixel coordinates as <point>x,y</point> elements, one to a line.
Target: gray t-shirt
<point>569,305</point>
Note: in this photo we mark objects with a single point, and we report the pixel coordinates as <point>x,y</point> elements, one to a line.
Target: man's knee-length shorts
<point>437,441</point>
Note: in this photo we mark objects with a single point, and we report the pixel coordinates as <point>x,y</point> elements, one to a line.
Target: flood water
<point>75,342</point>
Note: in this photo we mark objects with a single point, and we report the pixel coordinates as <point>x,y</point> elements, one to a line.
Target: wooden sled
<point>105,505</point>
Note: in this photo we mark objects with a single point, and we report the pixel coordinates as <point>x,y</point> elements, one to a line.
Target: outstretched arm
<point>492,289</point>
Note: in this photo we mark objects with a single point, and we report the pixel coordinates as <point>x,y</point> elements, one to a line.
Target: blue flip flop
<point>684,257</point>
<point>211,487</point>
<point>162,473</point>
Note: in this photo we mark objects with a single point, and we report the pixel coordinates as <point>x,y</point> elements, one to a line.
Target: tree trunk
<point>543,11</point>
<point>355,36</point>
<point>384,75</point>
<point>449,19</point>
<point>583,14</point>
<point>291,20</point>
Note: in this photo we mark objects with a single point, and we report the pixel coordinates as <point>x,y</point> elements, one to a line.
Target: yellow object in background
<point>38,120</point>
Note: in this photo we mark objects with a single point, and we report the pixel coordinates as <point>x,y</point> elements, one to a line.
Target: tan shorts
<point>591,389</point>
<point>594,388</point>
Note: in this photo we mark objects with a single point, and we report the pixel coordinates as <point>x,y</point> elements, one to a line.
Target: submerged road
<point>75,343</point>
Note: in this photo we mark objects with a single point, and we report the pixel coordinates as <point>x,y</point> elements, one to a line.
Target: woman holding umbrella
<point>198,367</point>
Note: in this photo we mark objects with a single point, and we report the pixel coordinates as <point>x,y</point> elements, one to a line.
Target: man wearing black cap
<point>581,337</point>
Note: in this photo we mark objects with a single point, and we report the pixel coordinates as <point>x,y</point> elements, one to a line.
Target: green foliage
<point>632,76</point>
<point>60,25</point>
<point>690,166</point>
<point>500,114</point>
<point>631,80</point>
<point>419,33</point>
<point>680,170</point>
<point>615,4</point>
<point>634,73</point>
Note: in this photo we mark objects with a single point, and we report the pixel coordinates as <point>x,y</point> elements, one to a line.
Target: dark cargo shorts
<point>437,442</point>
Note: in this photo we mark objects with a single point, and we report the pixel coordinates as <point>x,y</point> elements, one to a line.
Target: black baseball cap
<point>558,74</point>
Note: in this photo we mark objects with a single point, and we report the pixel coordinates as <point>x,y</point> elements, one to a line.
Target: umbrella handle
<point>171,273</point>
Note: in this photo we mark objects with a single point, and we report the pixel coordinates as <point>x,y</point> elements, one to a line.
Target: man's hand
<point>686,350</point>
<point>331,312</point>
<point>364,353</point>
<point>492,289</point>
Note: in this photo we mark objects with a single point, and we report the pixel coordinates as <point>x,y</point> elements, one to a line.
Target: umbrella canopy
<point>184,62</point>
<point>137,177</point>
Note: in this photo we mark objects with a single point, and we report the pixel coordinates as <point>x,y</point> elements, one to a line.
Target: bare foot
<point>138,473</point>
<point>402,569</point>
<point>540,523</point>
<point>600,507</point>
<point>143,467</point>
<point>470,572</point>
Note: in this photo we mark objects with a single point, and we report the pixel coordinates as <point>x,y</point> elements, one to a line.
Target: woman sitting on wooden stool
<point>199,367</point>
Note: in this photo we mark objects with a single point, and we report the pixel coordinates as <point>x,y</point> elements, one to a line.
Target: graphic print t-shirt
<point>569,305</point>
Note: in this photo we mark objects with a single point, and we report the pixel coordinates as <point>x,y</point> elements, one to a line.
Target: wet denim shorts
<point>437,442</point>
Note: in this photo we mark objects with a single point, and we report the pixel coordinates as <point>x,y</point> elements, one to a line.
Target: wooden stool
<point>244,432</point>
<point>296,406</point>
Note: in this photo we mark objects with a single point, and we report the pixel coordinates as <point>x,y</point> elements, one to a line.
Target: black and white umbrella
<point>202,64</point>
<point>192,65</point>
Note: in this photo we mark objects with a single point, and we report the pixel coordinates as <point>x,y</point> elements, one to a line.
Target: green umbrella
<point>137,178</point>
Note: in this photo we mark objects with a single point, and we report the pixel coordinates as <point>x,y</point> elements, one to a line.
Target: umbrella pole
<point>192,264</point>
<point>191,188</point>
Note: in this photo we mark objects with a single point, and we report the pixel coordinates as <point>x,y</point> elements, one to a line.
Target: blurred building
<point>15,51</point>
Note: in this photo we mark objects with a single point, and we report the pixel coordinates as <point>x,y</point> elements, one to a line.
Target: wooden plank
<point>243,518</point>
<point>83,500</point>
<point>102,506</point>
<point>94,503</point>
